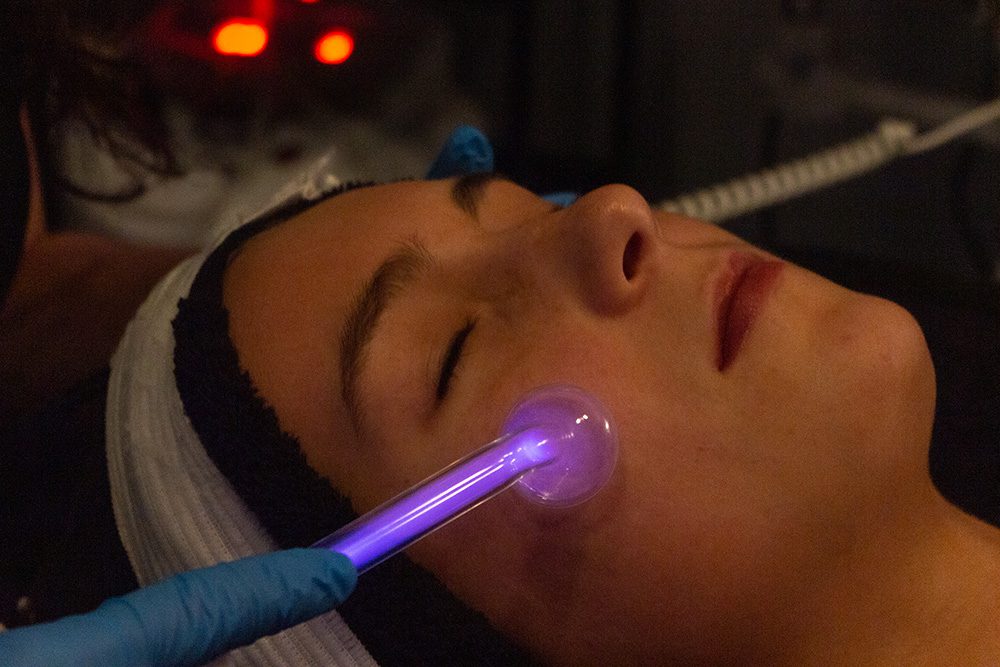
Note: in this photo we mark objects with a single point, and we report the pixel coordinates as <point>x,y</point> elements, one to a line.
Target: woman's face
<point>767,417</point>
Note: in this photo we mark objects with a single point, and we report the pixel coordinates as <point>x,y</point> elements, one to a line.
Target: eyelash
<point>452,358</point>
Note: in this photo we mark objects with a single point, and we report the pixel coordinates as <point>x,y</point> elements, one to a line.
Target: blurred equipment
<point>255,92</point>
<point>892,140</point>
<point>222,51</point>
<point>239,37</point>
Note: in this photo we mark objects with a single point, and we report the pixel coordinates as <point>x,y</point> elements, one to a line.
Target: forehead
<point>288,290</point>
<point>353,232</point>
<point>376,214</point>
<point>346,235</point>
<point>310,266</point>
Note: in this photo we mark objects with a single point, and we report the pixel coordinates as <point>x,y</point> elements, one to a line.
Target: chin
<point>892,379</point>
<point>866,347</point>
<point>900,353</point>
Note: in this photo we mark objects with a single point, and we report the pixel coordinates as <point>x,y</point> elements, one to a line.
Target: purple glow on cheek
<point>584,445</point>
<point>559,448</point>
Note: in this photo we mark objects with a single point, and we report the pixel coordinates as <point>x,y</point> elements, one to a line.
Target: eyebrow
<point>390,279</point>
<point>468,190</point>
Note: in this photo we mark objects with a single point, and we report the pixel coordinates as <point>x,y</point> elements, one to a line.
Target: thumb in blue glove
<point>192,617</point>
<point>466,151</point>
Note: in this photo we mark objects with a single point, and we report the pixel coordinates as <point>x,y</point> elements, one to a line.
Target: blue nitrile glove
<point>466,151</point>
<point>192,617</point>
<point>562,199</point>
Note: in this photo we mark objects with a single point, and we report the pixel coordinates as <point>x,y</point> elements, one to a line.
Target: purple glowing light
<point>558,446</point>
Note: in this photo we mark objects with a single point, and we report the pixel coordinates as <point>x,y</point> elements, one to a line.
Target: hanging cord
<point>892,139</point>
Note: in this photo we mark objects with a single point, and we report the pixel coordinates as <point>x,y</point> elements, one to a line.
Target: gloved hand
<point>192,617</point>
<point>468,151</point>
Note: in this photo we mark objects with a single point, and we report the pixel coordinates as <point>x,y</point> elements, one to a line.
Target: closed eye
<point>452,358</point>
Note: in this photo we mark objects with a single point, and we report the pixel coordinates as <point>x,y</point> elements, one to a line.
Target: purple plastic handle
<point>394,525</point>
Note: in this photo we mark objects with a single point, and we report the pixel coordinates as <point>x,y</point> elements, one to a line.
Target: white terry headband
<point>175,511</point>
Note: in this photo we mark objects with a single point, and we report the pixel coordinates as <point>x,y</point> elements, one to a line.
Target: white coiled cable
<point>892,139</point>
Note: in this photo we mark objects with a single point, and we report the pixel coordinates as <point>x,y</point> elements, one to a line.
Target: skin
<point>778,511</point>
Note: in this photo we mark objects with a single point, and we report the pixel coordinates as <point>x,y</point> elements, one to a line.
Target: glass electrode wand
<point>558,449</point>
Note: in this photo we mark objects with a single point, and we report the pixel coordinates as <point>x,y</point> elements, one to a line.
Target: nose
<point>606,242</point>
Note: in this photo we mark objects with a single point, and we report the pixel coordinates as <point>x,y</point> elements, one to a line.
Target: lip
<point>744,283</point>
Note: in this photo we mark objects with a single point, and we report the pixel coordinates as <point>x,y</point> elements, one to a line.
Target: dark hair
<point>399,611</point>
<point>79,59</point>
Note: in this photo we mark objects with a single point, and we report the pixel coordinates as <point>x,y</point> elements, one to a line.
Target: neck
<point>925,590</point>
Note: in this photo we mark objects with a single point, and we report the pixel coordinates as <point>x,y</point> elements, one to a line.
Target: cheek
<point>830,425</point>
<point>509,536</point>
<point>524,566</point>
<point>864,372</point>
<point>600,358</point>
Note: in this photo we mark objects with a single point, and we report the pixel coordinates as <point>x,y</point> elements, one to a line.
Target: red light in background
<point>334,48</point>
<point>239,37</point>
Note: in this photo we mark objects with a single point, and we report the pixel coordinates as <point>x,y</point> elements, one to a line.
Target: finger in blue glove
<point>561,199</point>
<point>466,151</point>
<point>192,617</point>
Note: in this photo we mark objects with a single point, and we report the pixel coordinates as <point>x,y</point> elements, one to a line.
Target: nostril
<point>631,255</point>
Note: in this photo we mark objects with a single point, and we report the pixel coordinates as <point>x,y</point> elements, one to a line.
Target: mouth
<point>740,292</point>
